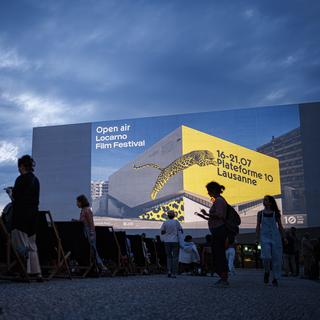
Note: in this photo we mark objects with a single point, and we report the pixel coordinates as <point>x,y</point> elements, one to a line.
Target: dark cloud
<point>120,59</point>
<point>171,54</point>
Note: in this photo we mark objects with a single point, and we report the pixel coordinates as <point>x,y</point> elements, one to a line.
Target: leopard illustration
<point>159,213</point>
<point>200,157</point>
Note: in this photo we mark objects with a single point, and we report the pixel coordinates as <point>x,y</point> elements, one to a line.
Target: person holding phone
<point>216,222</point>
<point>25,202</point>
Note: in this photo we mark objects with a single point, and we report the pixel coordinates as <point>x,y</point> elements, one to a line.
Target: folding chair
<point>12,265</point>
<point>53,260</point>
<point>109,249</point>
<point>127,260</point>
<point>73,240</point>
<point>154,259</point>
<point>161,254</point>
<point>141,263</point>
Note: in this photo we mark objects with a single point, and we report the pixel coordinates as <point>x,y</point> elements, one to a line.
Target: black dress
<point>25,195</point>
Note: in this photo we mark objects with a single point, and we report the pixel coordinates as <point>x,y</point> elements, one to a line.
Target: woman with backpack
<point>269,231</point>
<point>216,222</point>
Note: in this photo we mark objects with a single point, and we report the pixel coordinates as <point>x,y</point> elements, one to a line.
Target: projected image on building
<point>141,168</point>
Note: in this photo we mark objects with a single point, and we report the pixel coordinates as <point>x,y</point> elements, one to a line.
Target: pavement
<point>158,297</point>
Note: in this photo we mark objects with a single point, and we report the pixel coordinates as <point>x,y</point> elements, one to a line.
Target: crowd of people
<point>282,253</point>
<point>281,250</point>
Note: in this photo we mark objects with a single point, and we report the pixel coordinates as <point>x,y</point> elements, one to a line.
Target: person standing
<point>230,254</point>
<point>86,217</point>
<point>207,262</point>
<point>269,230</point>
<point>307,254</point>
<point>316,251</point>
<point>25,196</point>
<point>297,246</point>
<point>216,222</point>
<point>146,253</point>
<point>289,255</point>
<point>170,231</point>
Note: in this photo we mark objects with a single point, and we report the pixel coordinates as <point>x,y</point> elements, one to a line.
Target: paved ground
<point>157,297</point>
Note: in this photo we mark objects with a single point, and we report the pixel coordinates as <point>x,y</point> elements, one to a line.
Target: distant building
<point>288,149</point>
<point>99,196</point>
<point>99,188</point>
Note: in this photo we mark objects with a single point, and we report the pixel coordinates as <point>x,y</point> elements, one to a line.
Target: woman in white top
<point>170,233</point>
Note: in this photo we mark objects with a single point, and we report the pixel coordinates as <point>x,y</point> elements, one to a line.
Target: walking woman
<point>269,231</point>
<point>216,222</point>
<point>25,196</point>
<point>86,217</point>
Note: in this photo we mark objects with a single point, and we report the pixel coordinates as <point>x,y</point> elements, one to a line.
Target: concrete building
<point>62,152</point>
<point>129,188</point>
<point>99,188</point>
<point>288,149</point>
<point>99,196</point>
<point>137,191</point>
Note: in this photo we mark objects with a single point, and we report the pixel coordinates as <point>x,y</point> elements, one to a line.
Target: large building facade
<point>288,149</point>
<point>62,152</point>
<point>173,173</point>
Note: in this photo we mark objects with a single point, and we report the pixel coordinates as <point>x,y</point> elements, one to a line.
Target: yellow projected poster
<point>246,174</point>
<point>142,168</point>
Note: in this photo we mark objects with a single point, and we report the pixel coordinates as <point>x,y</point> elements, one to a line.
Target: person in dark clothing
<point>314,270</point>
<point>307,253</point>
<point>216,221</point>
<point>317,258</point>
<point>206,256</point>
<point>25,195</point>
<point>297,246</point>
<point>289,255</point>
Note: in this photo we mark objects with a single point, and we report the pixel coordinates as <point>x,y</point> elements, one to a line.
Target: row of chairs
<point>64,251</point>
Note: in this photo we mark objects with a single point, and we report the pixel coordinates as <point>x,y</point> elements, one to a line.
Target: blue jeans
<point>172,253</point>
<point>92,241</point>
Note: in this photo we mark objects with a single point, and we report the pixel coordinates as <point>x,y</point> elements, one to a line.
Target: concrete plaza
<point>158,297</point>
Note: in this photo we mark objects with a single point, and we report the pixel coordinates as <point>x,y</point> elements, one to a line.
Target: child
<point>189,256</point>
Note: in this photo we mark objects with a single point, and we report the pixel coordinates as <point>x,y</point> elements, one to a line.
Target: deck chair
<point>53,260</point>
<point>81,260</point>
<point>141,263</point>
<point>154,259</point>
<point>12,266</point>
<point>162,258</point>
<point>127,259</point>
<point>108,248</point>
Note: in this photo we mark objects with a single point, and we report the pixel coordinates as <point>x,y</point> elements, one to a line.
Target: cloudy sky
<point>69,61</point>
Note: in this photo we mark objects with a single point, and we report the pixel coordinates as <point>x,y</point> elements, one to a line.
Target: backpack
<point>7,216</point>
<point>232,221</point>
